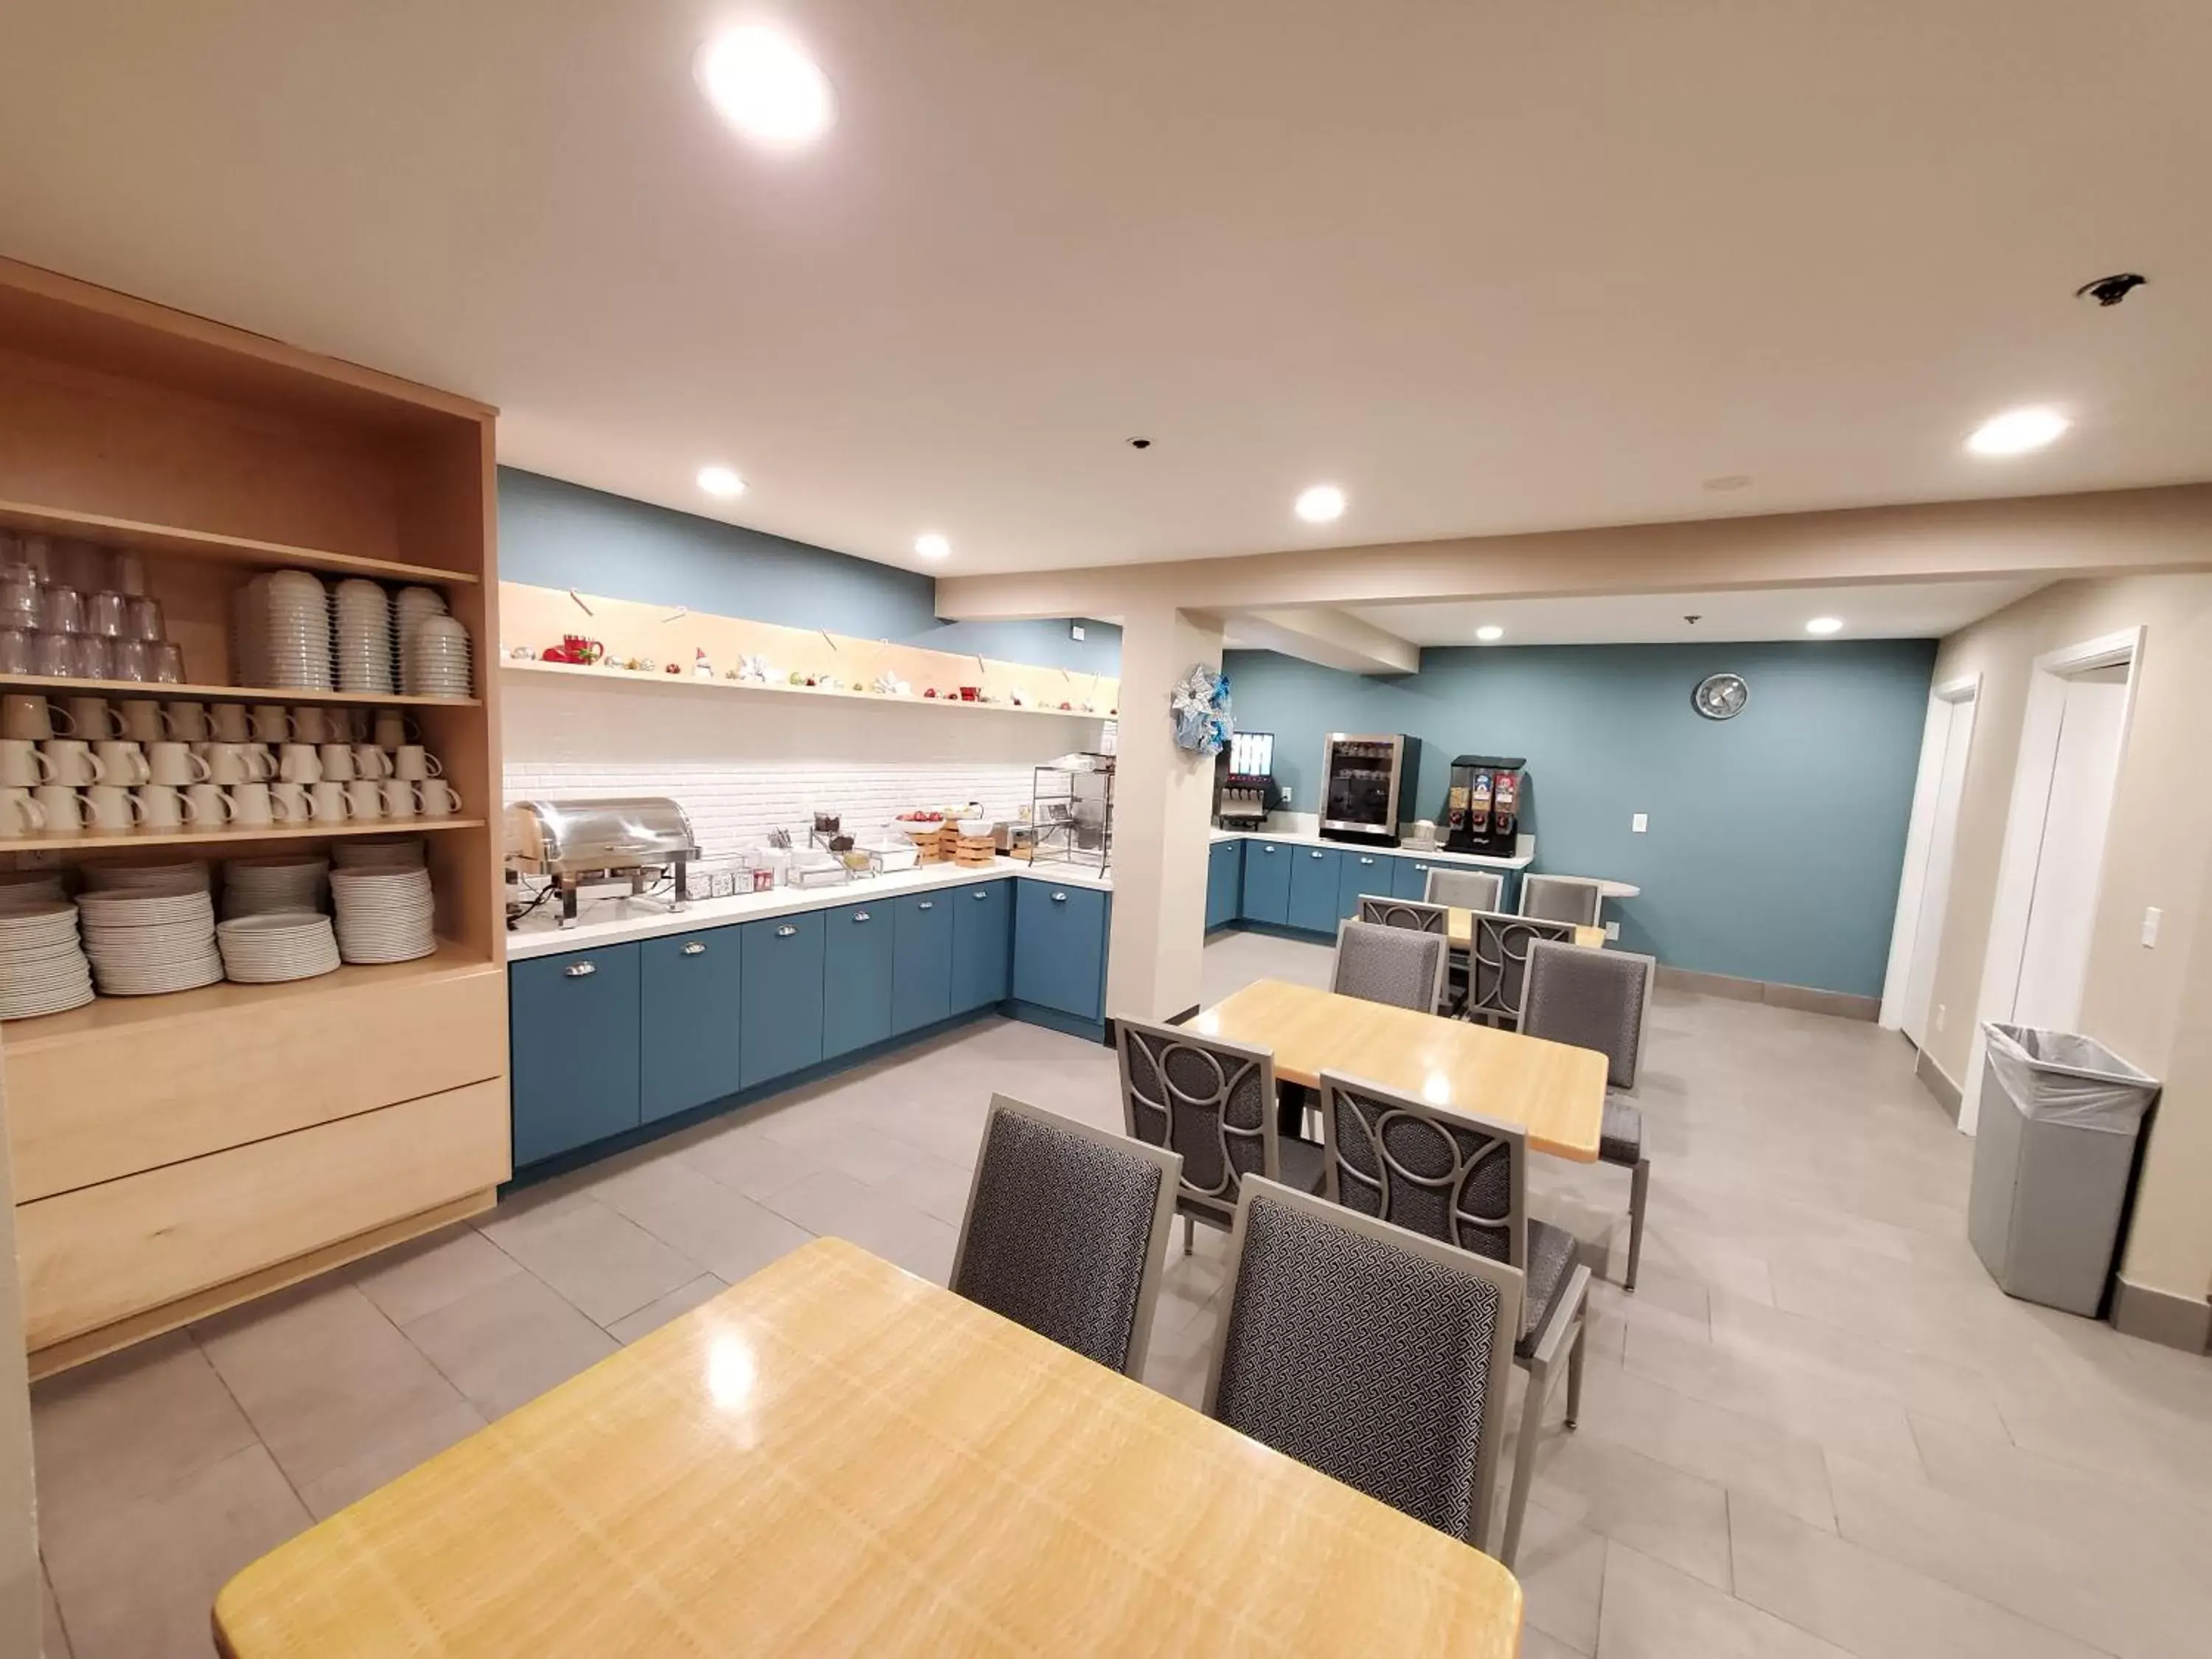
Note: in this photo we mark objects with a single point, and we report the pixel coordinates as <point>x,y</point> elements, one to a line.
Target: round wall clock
<point>1721,697</point>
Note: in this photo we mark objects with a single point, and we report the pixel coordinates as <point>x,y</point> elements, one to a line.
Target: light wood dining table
<point>1556,1092</point>
<point>1459,931</point>
<point>834,1457</point>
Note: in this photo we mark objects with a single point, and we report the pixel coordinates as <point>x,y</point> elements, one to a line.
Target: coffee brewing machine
<point>1484,805</point>
<point>1244,787</point>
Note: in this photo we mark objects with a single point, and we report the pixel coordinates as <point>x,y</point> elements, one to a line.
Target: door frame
<point>2033,775</point>
<point>1920,837</point>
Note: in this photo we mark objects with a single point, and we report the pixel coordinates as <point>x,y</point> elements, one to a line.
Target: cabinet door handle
<point>860,915</point>
<point>581,970</point>
<point>785,932</point>
<point>1367,861</point>
<point>980,893</point>
<point>695,949</point>
<point>1060,898</point>
<point>1268,850</point>
<point>926,904</point>
<point>1313,855</point>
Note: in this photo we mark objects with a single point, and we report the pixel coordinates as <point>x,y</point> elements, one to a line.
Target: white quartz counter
<point>615,918</point>
<point>1520,860</point>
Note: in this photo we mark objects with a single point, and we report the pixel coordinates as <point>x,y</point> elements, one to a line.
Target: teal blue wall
<point>1775,838</point>
<point>553,534</point>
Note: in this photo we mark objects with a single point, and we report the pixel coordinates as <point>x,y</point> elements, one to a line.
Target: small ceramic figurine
<point>677,668</point>
<point>701,668</point>
<point>754,667</point>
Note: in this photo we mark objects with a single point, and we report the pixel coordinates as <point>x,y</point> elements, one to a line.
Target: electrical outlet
<point>1287,794</point>
<point>1613,930</point>
<point>1940,1011</point>
<point>1075,630</point>
<point>1640,822</point>
<point>2151,919</point>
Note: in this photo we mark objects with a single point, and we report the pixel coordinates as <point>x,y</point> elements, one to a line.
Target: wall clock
<point>1721,697</point>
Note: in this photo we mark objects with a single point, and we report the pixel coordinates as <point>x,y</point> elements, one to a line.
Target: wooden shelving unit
<point>176,1154</point>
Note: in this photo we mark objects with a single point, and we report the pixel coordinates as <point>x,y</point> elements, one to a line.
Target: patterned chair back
<point>1213,1101</point>
<point>1444,1175</point>
<point>1498,961</point>
<point>1376,1357</point>
<point>1598,1000</point>
<point>1066,1232</point>
<point>1561,898</point>
<point>1409,914</point>
<point>1389,964</point>
<point>1469,890</point>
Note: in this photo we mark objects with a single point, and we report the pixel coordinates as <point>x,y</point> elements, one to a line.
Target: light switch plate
<point>1613,930</point>
<point>2151,919</point>
<point>1640,824</point>
<point>1075,630</point>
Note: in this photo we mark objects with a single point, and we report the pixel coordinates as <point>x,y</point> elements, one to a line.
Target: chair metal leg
<point>1575,1371</point>
<point>1189,1231</point>
<point>1639,1189</point>
<point>1524,1457</point>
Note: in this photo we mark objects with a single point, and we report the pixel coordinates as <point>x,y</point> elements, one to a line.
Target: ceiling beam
<point>1334,638</point>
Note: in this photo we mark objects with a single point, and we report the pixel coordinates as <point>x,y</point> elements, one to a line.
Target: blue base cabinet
<point>1060,949</point>
<point>783,1004</point>
<point>1359,872</point>
<point>1268,882</point>
<point>1224,882</point>
<point>1313,889</point>
<point>856,977</point>
<point>921,960</point>
<point>573,1040</point>
<point>689,1008</point>
<point>982,945</point>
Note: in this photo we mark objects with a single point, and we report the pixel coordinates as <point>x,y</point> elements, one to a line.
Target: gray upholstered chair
<point>1214,1103</point>
<point>1600,999</point>
<point>1498,962</point>
<point>1468,890</point>
<point>1389,964</point>
<point>1369,1353</point>
<point>1404,913</point>
<point>1066,1232</point>
<point>1561,898</point>
<point>1463,1179</point>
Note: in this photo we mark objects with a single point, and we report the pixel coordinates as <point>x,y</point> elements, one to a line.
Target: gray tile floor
<point>1816,1429</point>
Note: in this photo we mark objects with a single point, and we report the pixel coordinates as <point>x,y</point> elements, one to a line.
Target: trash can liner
<point>2058,1077</point>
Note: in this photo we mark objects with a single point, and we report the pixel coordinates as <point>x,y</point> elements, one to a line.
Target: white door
<point>2063,906</point>
<point>1935,888</point>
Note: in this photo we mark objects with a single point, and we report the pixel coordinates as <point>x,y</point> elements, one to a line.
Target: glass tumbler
<point>126,573</point>
<point>20,604</point>
<point>18,651</point>
<point>128,660</point>
<point>168,664</point>
<point>88,656</point>
<point>105,614</point>
<point>61,610</point>
<point>144,620</point>
<point>49,655</point>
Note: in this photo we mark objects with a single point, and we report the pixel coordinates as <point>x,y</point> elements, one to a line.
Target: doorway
<point>2052,868</point>
<point>1925,890</point>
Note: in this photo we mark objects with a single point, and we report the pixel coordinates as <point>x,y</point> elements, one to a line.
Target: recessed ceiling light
<point>1488,632</point>
<point>765,86</point>
<point>1321,504</point>
<point>2017,431</point>
<point>1729,481</point>
<point>932,546</point>
<point>720,481</point>
<point>1825,625</point>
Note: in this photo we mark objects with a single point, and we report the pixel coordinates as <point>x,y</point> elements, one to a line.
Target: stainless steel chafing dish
<point>629,839</point>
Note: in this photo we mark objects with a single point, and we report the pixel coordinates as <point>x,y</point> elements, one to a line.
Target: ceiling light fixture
<point>1825,625</point>
<point>1488,632</point>
<point>1320,504</point>
<point>2017,431</point>
<point>765,86</point>
<point>932,545</point>
<point>720,481</point>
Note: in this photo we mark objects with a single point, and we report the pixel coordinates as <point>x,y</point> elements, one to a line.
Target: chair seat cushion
<point>1551,1253</point>
<point>1303,1164</point>
<point>1620,1135</point>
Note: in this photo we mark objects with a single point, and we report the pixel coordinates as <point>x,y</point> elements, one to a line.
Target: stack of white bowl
<point>437,659</point>
<point>284,627</point>
<point>395,852</point>
<point>384,915</point>
<point>143,941</point>
<point>409,605</point>
<point>255,887</point>
<point>42,966</point>
<point>276,946</point>
<point>362,625</point>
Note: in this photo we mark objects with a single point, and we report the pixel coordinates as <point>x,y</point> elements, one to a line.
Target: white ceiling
<point>1904,610</point>
<point>1488,266</point>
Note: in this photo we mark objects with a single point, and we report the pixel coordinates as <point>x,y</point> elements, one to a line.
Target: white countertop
<point>615,918</point>
<point>1520,860</point>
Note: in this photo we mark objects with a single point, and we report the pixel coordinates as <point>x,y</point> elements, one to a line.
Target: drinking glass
<point>169,664</point>
<point>105,614</point>
<point>145,620</point>
<point>88,656</point>
<point>127,659</point>
<point>61,610</point>
<point>126,572</point>
<point>18,650</point>
<point>50,655</point>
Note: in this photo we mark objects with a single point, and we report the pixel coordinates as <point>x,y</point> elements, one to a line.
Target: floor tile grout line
<point>237,1405</point>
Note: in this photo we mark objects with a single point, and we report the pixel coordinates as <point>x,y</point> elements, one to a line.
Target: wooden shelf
<point>204,544</point>
<point>66,688</point>
<point>110,842</point>
<point>104,1016</point>
<point>629,678</point>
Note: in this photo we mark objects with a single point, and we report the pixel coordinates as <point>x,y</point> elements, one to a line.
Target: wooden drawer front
<point>97,1254</point>
<point>93,1109</point>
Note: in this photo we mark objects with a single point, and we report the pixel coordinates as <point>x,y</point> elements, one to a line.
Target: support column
<point>1162,808</point>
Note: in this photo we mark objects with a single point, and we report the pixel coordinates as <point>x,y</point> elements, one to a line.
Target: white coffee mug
<point>229,722</point>
<point>208,804</point>
<point>161,806</point>
<point>34,718</point>
<point>310,726</point>
<point>112,807</point>
<point>250,806</point>
<point>370,762</point>
<point>174,763</point>
<point>260,764</point>
<point>64,807</point>
<point>350,724</point>
<point>23,765</point>
<point>123,761</point>
<point>395,730</point>
<point>414,761</point>
<point>272,723</point>
<point>439,798</point>
<point>144,721</point>
<point>20,814</point>
<point>337,760</point>
<point>71,761</point>
<point>188,721</point>
<point>297,763</point>
<point>401,798</point>
<point>94,719</point>
<point>290,803</point>
<point>226,762</point>
<point>330,802</point>
<point>365,799</point>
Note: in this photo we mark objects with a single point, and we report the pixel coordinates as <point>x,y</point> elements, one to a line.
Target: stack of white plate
<point>184,876</point>
<point>279,946</point>
<point>361,623</point>
<point>384,915</point>
<point>400,852</point>
<point>409,606</point>
<point>437,659</point>
<point>288,629</point>
<point>42,967</point>
<point>30,889</point>
<point>144,942</point>
<point>254,887</point>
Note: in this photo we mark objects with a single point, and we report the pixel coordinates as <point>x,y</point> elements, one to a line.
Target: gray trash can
<point>2053,1150</point>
